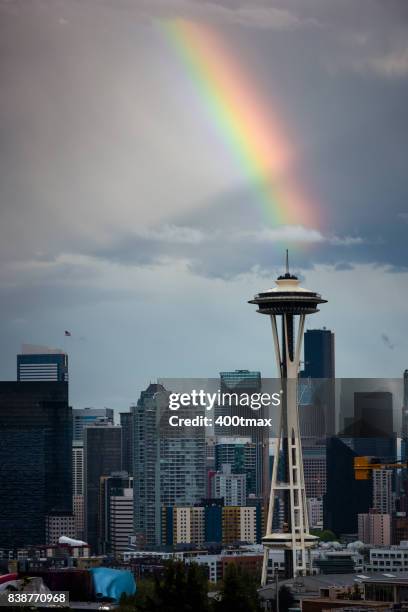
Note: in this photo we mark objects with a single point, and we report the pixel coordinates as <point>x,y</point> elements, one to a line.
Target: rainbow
<point>246,123</point>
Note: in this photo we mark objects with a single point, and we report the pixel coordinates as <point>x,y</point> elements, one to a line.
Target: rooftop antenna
<point>287,261</point>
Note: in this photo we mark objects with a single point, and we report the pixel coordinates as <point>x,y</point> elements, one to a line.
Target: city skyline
<point>127,220</point>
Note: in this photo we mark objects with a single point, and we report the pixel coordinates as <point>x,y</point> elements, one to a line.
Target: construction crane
<point>364,466</point>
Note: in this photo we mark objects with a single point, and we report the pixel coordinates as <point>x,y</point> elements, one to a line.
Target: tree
<point>182,588</point>
<point>286,599</point>
<point>238,592</point>
<point>326,535</point>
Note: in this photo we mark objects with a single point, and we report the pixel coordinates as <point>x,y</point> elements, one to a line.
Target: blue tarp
<point>112,583</point>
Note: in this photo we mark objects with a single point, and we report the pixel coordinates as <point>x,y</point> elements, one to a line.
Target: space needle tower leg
<point>292,303</point>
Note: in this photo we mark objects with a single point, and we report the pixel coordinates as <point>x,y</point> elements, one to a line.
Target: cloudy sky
<point>127,219</point>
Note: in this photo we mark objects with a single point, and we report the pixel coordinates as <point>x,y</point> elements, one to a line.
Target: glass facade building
<point>35,459</point>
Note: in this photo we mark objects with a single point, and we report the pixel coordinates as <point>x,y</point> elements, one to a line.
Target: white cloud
<point>252,14</point>
<point>390,65</point>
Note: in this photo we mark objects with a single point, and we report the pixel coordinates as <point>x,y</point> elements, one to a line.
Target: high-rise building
<point>315,511</point>
<point>404,427</point>
<point>314,467</point>
<point>345,496</point>
<point>169,463</point>
<point>82,417</point>
<point>246,382</point>
<point>382,491</point>
<point>35,459</point>
<point>319,360</point>
<point>102,455</point>
<point>42,363</point>
<point>374,528</point>
<point>316,385</point>
<point>78,487</point>
<point>240,453</point>
<point>115,512</point>
<point>238,524</point>
<point>193,524</point>
<point>372,426</point>
<point>126,423</point>
<point>229,486</point>
<point>59,524</point>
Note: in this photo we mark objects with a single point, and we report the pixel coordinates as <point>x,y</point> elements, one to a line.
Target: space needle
<point>289,301</point>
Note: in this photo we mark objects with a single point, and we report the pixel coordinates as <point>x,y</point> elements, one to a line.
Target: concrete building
<point>78,487</point>
<point>121,519</point>
<point>59,524</point>
<point>389,559</point>
<point>231,487</point>
<point>374,528</point>
<point>382,491</point>
<point>315,512</point>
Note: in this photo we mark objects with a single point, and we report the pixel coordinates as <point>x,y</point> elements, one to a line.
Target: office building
<point>169,463</point>
<point>82,417</point>
<point>240,453</point>
<point>35,459</point>
<point>246,382</point>
<point>316,385</point>
<point>404,426</point>
<point>230,487</point>
<point>102,455</point>
<point>391,559</point>
<point>78,487</point>
<point>59,524</point>
<point>372,427</point>
<point>127,441</point>
<point>42,363</point>
<point>382,491</point>
<point>345,496</point>
<point>315,512</point>
<point>115,512</point>
<point>374,528</point>
<point>314,468</point>
<point>319,360</point>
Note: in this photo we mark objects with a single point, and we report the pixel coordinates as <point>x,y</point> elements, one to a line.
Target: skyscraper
<point>35,459</point>
<point>372,427</point>
<point>102,455</point>
<point>42,363</point>
<point>82,417</point>
<point>231,487</point>
<point>382,491</point>
<point>241,454</point>
<point>169,463</point>
<point>115,512</point>
<point>319,354</point>
<point>316,385</point>
<point>246,382</point>
<point>126,423</point>
<point>78,487</point>
<point>345,496</point>
<point>404,428</point>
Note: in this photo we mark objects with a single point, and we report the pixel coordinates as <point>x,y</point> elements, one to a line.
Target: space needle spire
<point>291,303</point>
